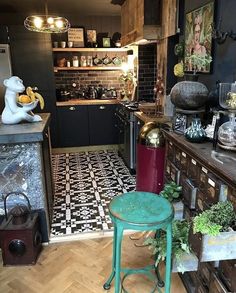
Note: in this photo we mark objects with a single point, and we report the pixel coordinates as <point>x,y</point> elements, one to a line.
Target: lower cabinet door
<point>73,126</point>
<point>102,121</point>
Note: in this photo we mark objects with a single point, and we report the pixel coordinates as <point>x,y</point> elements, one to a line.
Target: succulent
<point>171,191</point>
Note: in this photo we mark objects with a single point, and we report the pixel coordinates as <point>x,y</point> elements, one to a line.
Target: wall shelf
<point>56,69</point>
<point>89,49</point>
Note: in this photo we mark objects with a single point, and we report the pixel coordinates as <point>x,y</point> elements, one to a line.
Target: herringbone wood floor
<point>79,266</point>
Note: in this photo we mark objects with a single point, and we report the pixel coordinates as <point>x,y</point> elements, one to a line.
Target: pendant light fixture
<point>47,23</point>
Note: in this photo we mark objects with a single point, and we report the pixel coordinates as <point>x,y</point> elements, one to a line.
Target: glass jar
<point>195,133</point>
<point>227,132</point>
<point>83,61</point>
<point>75,61</point>
<point>89,61</point>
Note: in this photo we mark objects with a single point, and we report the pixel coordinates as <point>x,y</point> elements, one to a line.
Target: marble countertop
<point>25,131</point>
<point>87,102</point>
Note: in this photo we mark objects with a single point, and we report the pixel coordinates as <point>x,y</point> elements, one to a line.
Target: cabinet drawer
<point>193,169</point>
<point>177,157</point>
<point>232,196</point>
<point>204,272</point>
<point>214,189</point>
<point>216,286</point>
<point>201,289</point>
<point>168,170</point>
<point>172,173</point>
<point>189,191</point>
<point>184,161</point>
<point>227,272</point>
<point>170,151</point>
<point>202,179</point>
<point>201,201</point>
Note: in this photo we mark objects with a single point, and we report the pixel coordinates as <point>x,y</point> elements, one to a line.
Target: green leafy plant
<point>171,191</point>
<point>217,219</point>
<point>198,61</point>
<point>180,244</point>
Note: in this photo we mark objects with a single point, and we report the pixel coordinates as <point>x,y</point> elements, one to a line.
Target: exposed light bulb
<point>50,20</point>
<point>59,23</point>
<point>38,22</point>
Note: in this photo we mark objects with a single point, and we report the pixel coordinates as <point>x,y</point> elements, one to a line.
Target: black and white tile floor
<point>85,183</point>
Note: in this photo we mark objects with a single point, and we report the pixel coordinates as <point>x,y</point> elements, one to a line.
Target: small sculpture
<point>12,113</point>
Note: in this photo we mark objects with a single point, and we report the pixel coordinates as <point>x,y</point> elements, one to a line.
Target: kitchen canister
<point>75,61</point>
<point>83,61</point>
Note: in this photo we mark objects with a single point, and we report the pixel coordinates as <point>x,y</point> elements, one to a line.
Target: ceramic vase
<point>189,95</point>
<point>195,133</point>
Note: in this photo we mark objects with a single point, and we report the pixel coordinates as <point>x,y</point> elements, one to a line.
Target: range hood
<point>140,21</point>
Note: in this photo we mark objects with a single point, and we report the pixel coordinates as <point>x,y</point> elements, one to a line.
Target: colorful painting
<point>198,39</point>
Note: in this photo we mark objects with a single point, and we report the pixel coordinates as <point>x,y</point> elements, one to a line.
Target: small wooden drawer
<point>168,170</point>
<point>174,173</point>
<point>189,191</point>
<point>184,161</point>
<point>216,286</point>
<point>188,214</point>
<point>214,189</point>
<point>193,169</point>
<point>232,196</point>
<point>227,272</point>
<point>177,158</point>
<point>201,201</point>
<point>170,149</point>
<point>204,272</point>
<point>202,178</point>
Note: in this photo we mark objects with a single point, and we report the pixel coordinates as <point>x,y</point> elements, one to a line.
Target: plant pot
<point>213,248</point>
<point>187,261</point>
<point>189,95</point>
<point>179,209</point>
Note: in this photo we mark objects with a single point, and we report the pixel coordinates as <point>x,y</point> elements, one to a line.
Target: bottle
<point>68,63</point>
<point>75,61</point>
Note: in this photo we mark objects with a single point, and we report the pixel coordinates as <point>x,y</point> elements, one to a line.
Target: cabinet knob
<point>72,108</point>
<point>102,107</point>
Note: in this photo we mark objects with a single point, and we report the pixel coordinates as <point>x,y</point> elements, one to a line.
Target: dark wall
<point>147,56</point>
<point>224,56</point>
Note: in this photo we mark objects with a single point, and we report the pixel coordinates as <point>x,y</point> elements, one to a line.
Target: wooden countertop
<point>202,152</point>
<point>87,102</point>
<point>24,132</point>
<point>146,118</point>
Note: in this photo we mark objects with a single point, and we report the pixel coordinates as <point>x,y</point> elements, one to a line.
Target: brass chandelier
<point>47,23</point>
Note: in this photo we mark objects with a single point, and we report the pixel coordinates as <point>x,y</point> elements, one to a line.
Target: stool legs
<point>116,260</point>
<point>168,258</point>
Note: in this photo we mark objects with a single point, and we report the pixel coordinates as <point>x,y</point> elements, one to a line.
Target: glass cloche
<point>227,133</point>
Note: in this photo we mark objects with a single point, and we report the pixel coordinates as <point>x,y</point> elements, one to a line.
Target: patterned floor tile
<point>85,183</point>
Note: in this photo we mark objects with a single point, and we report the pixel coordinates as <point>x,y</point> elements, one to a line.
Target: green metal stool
<point>140,211</point>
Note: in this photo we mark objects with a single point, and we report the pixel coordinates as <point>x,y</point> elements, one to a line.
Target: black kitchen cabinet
<point>73,126</point>
<point>102,122</point>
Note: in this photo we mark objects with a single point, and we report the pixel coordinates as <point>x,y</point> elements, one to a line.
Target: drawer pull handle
<point>102,107</point>
<point>72,108</point>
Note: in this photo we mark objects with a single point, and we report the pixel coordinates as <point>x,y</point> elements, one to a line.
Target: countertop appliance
<point>127,133</point>
<point>5,70</point>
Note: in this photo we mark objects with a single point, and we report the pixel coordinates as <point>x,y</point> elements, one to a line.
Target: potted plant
<point>182,259</point>
<point>213,235</point>
<point>190,94</point>
<point>173,193</point>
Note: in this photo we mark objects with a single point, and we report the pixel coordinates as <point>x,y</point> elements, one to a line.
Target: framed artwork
<point>91,36</point>
<point>198,39</point>
<point>106,42</point>
<point>76,35</point>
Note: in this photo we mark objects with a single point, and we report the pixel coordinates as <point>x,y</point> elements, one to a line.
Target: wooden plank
<point>169,10</point>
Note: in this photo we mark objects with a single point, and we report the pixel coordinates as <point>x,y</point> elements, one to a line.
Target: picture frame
<point>106,42</point>
<point>198,39</point>
<point>76,35</point>
<point>91,36</point>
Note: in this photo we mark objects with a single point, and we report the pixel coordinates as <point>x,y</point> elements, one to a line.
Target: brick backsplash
<point>107,78</point>
<point>147,71</point>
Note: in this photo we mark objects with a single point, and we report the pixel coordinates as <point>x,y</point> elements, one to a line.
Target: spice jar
<point>68,63</point>
<point>75,61</point>
<point>89,61</point>
<point>83,61</point>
